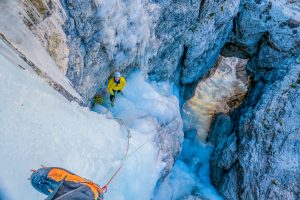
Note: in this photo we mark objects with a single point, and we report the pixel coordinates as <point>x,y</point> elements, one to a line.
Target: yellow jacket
<point>112,85</point>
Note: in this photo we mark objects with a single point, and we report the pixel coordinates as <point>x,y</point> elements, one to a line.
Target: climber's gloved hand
<point>112,97</point>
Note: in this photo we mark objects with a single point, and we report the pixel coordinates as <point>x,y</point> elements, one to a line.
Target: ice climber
<point>115,85</point>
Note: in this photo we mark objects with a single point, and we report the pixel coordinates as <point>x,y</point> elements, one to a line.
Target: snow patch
<point>39,126</point>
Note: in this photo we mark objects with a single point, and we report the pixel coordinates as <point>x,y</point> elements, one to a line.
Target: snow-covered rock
<point>46,19</point>
<point>20,40</point>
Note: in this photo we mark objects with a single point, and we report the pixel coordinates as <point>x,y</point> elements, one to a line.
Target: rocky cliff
<point>256,152</point>
<point>177,40</point>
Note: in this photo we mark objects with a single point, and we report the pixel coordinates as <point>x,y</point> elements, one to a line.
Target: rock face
<point>89,40</point>
<point>45,19</point>
<point>256,152</point>
<point>221,91</point>
<point>25,27</point>
<point>257,147</point>
<point>177,40</point>
<point>105,36</point>
<point>164,38</point>
<point>191,34</point>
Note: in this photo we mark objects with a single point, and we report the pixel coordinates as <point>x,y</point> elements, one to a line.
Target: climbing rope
<point>120,121</point>
<point>137,149</point>
<point>126,155</point>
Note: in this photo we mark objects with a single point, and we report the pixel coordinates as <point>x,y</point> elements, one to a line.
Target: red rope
<point>104,188</point>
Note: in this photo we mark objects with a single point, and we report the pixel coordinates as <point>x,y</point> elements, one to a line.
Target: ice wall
<point>39,126</point>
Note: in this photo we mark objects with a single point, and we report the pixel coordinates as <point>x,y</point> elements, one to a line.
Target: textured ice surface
<point>39,126</point>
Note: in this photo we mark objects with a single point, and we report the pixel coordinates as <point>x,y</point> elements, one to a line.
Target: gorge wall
<point>164,38</point>
<point>257,146</point>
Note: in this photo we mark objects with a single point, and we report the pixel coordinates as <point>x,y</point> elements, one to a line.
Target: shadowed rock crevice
<point>234,50</point>
<point>202,3</point>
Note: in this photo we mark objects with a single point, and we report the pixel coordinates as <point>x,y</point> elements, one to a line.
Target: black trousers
<point>112,97</point>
